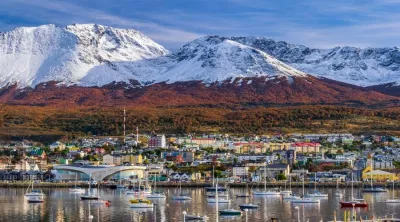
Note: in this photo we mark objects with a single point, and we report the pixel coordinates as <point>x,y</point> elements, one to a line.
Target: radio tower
<point>124,124</point>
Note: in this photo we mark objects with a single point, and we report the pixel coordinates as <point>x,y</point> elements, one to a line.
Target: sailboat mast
<point>265,177</point>
<point>315,182</point>
<point>213,175</point>
<point>372,164</point>
<point>352,181</point>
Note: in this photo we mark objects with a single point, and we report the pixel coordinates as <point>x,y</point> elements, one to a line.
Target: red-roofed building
<point>303,147</point>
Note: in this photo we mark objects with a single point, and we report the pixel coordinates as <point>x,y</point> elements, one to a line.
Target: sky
<point>172,23</point>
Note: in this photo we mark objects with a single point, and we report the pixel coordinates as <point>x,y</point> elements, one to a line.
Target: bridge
<point>98,173</point>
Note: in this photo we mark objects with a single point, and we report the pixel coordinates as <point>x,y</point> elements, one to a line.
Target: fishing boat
<point>155,194</point>
<point>393,200</point>
<point>266,192</point>
<point>230,212</point>
<point>141,203</point>
<point>34,193</point>
<point>90,196</point>
<point>35,199</point>
<point>304,199</point>
<point>353,202</point>
<point>181,196</point>
<point>316,193</point>
<point>373,189</point>
<point>76,189</point>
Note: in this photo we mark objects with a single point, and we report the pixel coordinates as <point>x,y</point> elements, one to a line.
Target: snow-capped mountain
<point>210,59</point>
<point>363,67</point>
<point>85,54</point>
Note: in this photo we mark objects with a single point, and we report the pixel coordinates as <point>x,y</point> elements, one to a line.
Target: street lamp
<point>245,210</point>
<point>298,213</point>
<point>184,216</point>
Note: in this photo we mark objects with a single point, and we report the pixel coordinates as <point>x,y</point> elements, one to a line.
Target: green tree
<point>281,176</point>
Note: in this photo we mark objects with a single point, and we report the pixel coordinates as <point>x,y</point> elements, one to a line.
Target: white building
<point>158,141</point>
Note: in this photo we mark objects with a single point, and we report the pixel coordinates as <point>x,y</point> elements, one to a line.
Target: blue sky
<point>315,23</point>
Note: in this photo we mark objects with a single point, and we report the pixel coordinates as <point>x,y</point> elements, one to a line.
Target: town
<point>200,158</point>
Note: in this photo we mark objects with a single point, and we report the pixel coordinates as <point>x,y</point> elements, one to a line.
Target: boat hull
<point>181,198</point>
<point>142,205</point>
<point>220,201</point>
<point>356,204</point>
<point>230,213</point>
<point>393,201</point>
<point>374,190</point>
<point>89,198</point>
<point>248,206</point>
<point>305,201</point>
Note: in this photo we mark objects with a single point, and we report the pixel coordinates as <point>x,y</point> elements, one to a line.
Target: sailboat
<point>373,189</point>
<point>248,205</point>
<point>316,192</point>
<point>393,200</point>
<point>215,198</point>
<point>89,196</point>
<point>266,192</point>
<point>140,190</point>
<point>304,199</point>
<point>337,193</point>
<point>34,193</point>
<point>212,188</point>
<point>76,189</point>
<point>353,201</point>
<point>287,192</point>
<point>181,196</point>
<point>98,201</point>
<point>154,194</point>
<point>244,194</point>
<point>120,185</point>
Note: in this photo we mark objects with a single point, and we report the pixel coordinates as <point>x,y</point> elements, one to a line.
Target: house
<point>378,175</point>
<point>240,171</point>
<point>158,141</point>
<point>383,165</point>
<point>185,176</point>
<point>133,159</point>
<point>273,170</point>
<point>57,145</point>
<point>187,156</point>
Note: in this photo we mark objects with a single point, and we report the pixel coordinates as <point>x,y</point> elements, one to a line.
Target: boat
<point>230,212</point>
<point>181,196</point>
<point>266,192</point>
<point>220,201</point>
<point>337,193</point>
<point>353,202</point>
<point>155,194</point>
<point>304,199</point>
<point>287,192</point>
<point>249,206</point>
<point>141,203</point>
<point>35,199</point>
<point>193,217</point>
<point>212,188</point>
<point>373,189</point>
<point>316,192</point>
<point>219,195</point>
<point>139,190</point>
<point>242,196</point>
<point>90,196</point>
<point>393,200</point>
<point>76,189</point>
<point>34,193</point>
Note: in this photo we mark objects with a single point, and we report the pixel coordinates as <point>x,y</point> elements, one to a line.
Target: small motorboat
<point>181,197</point>
<point>35,200</point>
<point>156,196</point>
<point>141,203</point>
<point>220,201</point>
<point>230,212</point>
<point>249,206</point>
<point>195,218</point>
<point>242,196</point>
<point>89,197</point>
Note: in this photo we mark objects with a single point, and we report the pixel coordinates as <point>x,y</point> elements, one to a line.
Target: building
<point>273,170</point>
<point>158,141</point>
<point>278,146</point>
<point>383,165</point>
<point>187,156</point>
<point>240,171</point>
<point>132,159</point>
<point>57,145</point>
<point>378,175</point>
<point>302,147</point>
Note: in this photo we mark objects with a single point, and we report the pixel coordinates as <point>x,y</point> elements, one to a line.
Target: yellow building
<point>278,146</point>
<point>377,175</point>
<point>132,159</point>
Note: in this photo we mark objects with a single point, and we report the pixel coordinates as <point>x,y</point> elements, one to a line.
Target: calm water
<point>60,205</point>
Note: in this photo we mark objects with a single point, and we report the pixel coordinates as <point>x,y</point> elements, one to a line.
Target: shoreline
<point>202,185</point>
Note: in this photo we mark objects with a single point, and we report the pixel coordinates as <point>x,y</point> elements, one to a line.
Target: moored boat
<point>249,206</point>
<point>141,203</point>
<point>35,200</point>
<point>351,203</point>
<point>230,212</point>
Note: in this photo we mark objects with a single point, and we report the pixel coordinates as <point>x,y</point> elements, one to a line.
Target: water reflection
<point>60,205</point>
